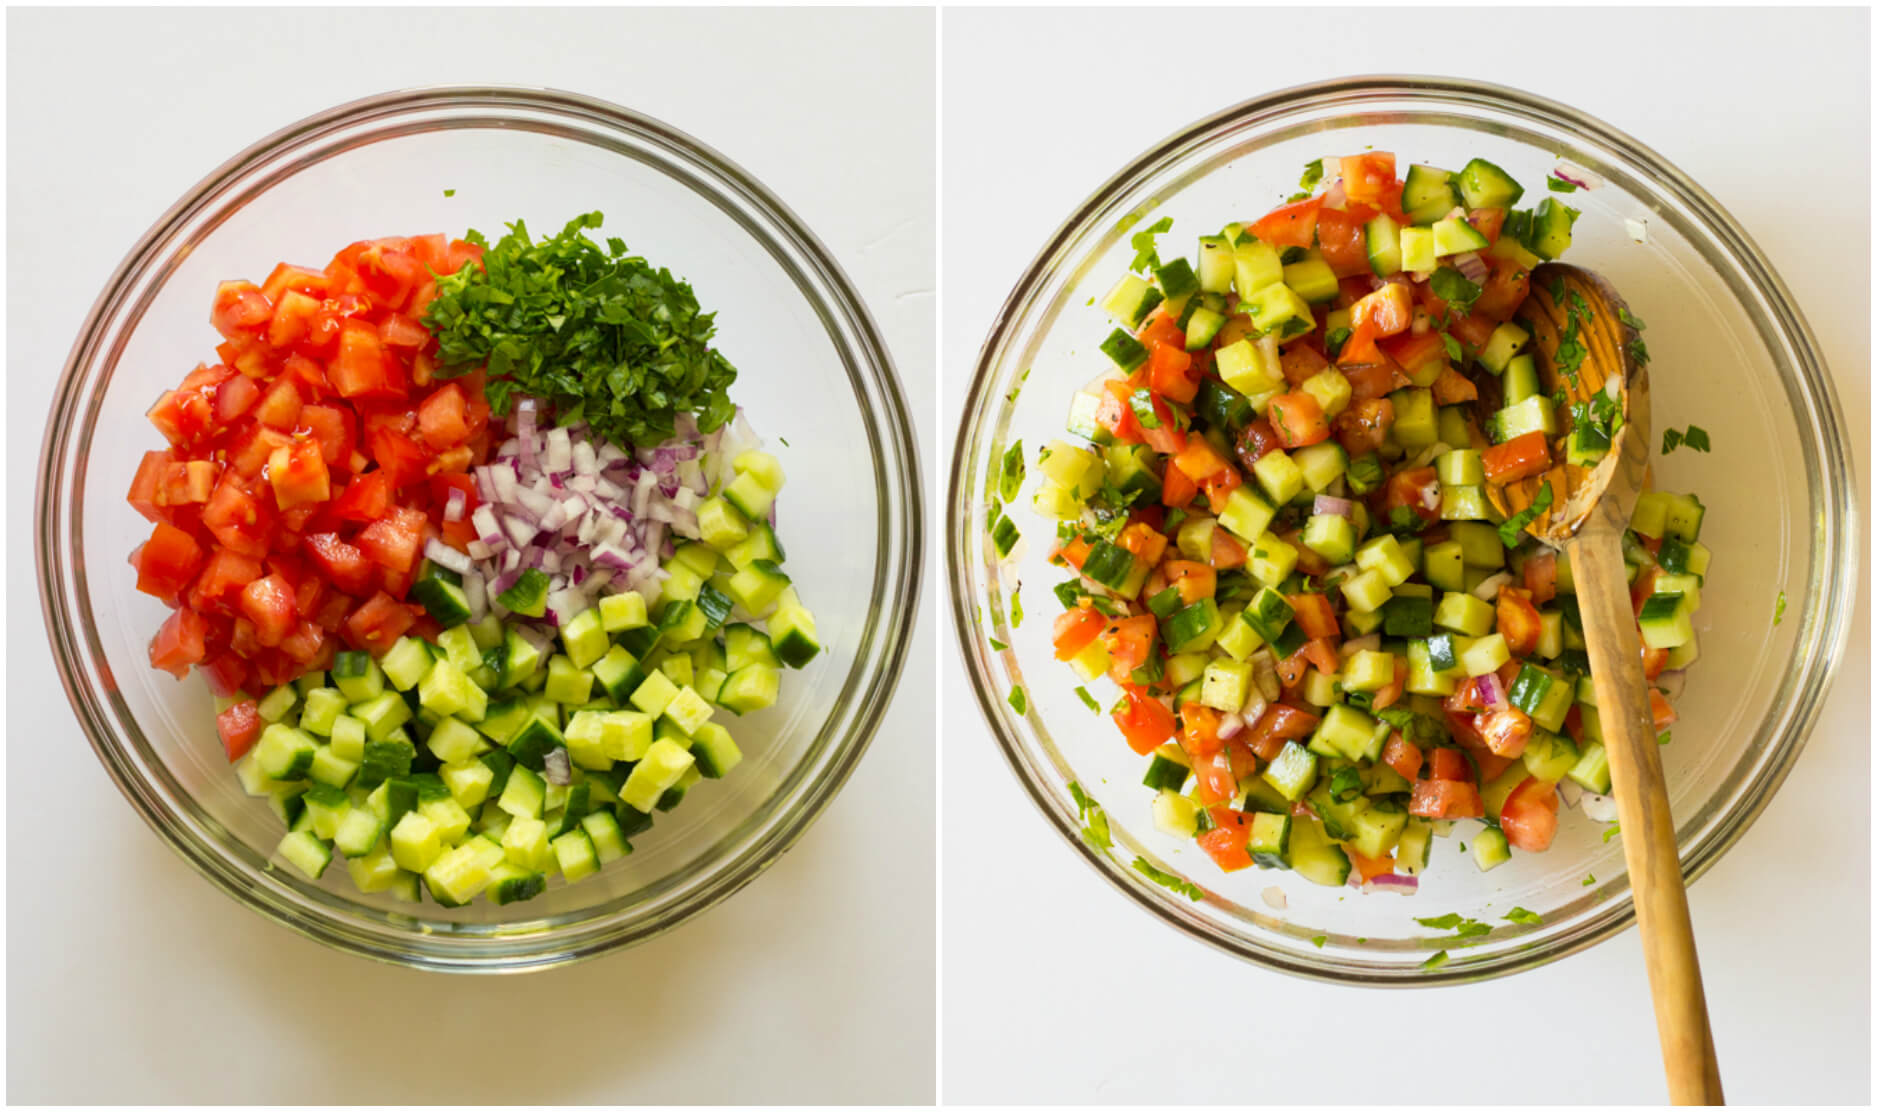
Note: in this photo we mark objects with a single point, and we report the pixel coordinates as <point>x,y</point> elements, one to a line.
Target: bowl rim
<point>863,697</point>
<point>1827,635</point>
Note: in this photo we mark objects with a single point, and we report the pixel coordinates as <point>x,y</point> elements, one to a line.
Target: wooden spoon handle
<point>1648,831</point>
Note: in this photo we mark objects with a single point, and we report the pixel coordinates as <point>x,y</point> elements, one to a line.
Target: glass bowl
<point>814,371</point>
<point>1731,353</point>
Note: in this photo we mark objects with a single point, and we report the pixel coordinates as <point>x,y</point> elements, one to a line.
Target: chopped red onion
<point>1569,792</point>
<point>1491,692</point>
<point>525,431</point>
<point>1671,684</point>
<point>1488,588</point>
<point>1599,808</point>
<point>1396,882</point>
<point>559,769</point>
<point>1230,726</point>
<point>443,554</point>
<point>1576,175</point>
<point>1472,266</point>
<point>1255,706</point>
<point>455,505</point>
<point>1334,507</point>
<point>1369,643</point>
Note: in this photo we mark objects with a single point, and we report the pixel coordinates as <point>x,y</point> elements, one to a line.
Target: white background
<point>1055,987</point>
<point>129,978</point>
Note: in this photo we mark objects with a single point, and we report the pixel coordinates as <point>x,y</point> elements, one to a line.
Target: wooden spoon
<point>1589,510</point>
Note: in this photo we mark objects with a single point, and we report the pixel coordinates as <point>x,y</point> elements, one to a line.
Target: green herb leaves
<point>1779,608</point>
<point>1511,527</point>
<point>1696,438</point>
<point>1312,176</point>
<point>1455,288</point>
<point>1168,881</point>
<point>1146,258</point>
<point>1094,819</point>
<point>1461,926</point>
<point>597,334</point>
<point>1520,915</point>
<point>1560,185</point>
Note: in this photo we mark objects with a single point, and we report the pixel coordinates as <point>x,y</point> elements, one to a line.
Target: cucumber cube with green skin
<point>373,871</point>
<point>1278,476</point>
<point>1460,467</point>
<point>745,644</point>
<point>1131,299</point>
<point>1276,306</point>
<point>1650,517</point>
<point>415,844</point>
<point>1463,503</point>
<point>1225,685</point>
<point>284,752</point>
<point>1416,422</point>
<point>1423,677</point>
<point>1346,730</point>
<point>1480,545</point>
<point>446,689</point>
<point>1463,613</point>
<point>1454,236</point>
<point>1484,185</point>
<point>602,830</point>
<point>460,648</point>
<point>766,468</point>
<point>1418,253</point>
<point>749,496</point>
<point>1365,591</point>
<point>761,544</point>
<point>1533,414</point>
<point>1549,757</point>
<point>1506,341</point>
<point>1311,279</point>
<point>1321,464</point>
<point>523,661</point>
<point>585,739</point>
<point>278,703</point>
<point>1490,849</point>
<point>757,587</point>
<point>625,735</point>
<point>331,769</point>
<point>447,816</point>
<point>1385,556</point>
<point>680,669</point>
<point>357,676</point>
<point>306,853</point>
<point>584,638</point>
<point>510,884</point>
<point>720,524</point>
<point>1666,621</point>
<point>1382,236</point>
<point>524,793</point>
<point>358,833</point>
<point>664,764</point>
<point>1682,514</point>
<point>567,683</point>
<point>538,736</point>
<point>1592,770</point>
<point>327,807</point>
<point>1246,514</point>
<point>1368,670</point>
<point>688,710</point>
<point>1272,559</point>
<point>714,750</point>
<point>458,875</point>
<point>323,706</point>
<point>1268,840</point>
<point>468,782</point>
<point>525,844</point>
<point>573,852</point>
<point>1331,390</point>
<point>654,694</point>
<point>623,611</point>
<point>1247,368</point>
<point>1256,266</point>
<point>453,741</point>
<point>1176,815</point>
<point>1550,233</point>
<point>1292,772</point>
<point>1330,536</point>
<point>750,689</point>
<point>1484,654</point>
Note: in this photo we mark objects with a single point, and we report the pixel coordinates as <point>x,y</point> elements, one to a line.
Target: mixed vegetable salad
<point>1326,642</point>
<point>472,547</point>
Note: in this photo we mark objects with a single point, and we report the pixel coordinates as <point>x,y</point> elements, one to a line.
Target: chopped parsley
<point>449,193</point>
<point>598,334</point>
<point>1088,700</point>
<point>1461,926</point>
<point>1589,880</point>
<point>784,440</point>
<point>1010,478</point>
<point>1168,881</point>
<point>1511,527</point>
<point>1345,784</point>
<point>1418,728</point>
<point>1146,257</point>
<point>1611,831</point>
<point>1520,915</point>
<point>1018,701</point>
<point>1638,350</point>
<point>997,646</point>
<point>1312,176</point>
<point>1016,607</point>
<point>1335,339</point>
<point>1439,959</point>
<point>1556,289</point>
<point>1559,185</point>
<point>1664,737</point>
<point>1571,352</point>
<point>1455,288</point>
<point>1319,940</point>
<point>1779,608</point>
<point>1696,438</point>
<point>1452,345</point>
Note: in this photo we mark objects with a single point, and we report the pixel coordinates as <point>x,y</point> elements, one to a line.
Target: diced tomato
<point>298,474</point>
<point>1506,729</point>
<point>167,562</point>
<point>240,309</point>
<point>1541,576</point>
<point>1343,243</point>
<point>1321,653</point>
<point>304,643</point>
<point>1448,764</point>
<point>1194,580</point>
<point>461,255</point>
<point>1403,756</point>
<point>1199,461</point>
<point>1661,711</point>
<point>1257,441</point>
<point>1518,458</point>
<point>1373,381</point>
<point>1170,373</point>
<point>1144,722</point>
<point>1073,552</point>
<point>443,418</point>
<point>1368,868</point>
<point>1360,349</point>
<point>226,674</point>
<point>1292,225</point>
<point>388,273</point>
<point>1147,545</point>
<point>1300,363</point>
<point>1128,641</point>
<point>363,369</point>
<point>1075,629</point>
<point>1453,388</point>
<point>1277,725</point>
<point>379,622</point>
<point>1116,414</point>
<point>1386,312</point>
<point>401,331</point>
<point>342,563</point>
<point>403,460</point>
<point>238,519</point>
<point>180,642</point>
<point>1298,420</point>
<point>1227,553</point>
<point>268,603</point>
<point>1392,692</point>
<point>1417,489</point>
<point>1368,176</point>
<point>1529,816</point>
<point>1226,842</point>
<point>1446,799</point>
<point>394,541</point>
<point>1416,354</point>
<point>1504,291</point>
<point>223,577</point>
<point>1167,438</point>
<point>1363,427</point>
<point>1518,621</point>
<point>1177,489</point>
<point>239,726</point>
<point>183,417</point>
<point>1315,615</point>
<point>233,398</point>
<point>367,497</point>
<point>1472,329</point>
<point>1653,662</point>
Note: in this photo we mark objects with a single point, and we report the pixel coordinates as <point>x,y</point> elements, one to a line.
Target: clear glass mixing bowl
<point>1730,353</point>
<point>813,370</point>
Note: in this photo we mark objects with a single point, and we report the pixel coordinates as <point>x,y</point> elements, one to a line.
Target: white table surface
<point>1072,994</point>
<point>129,978</point>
